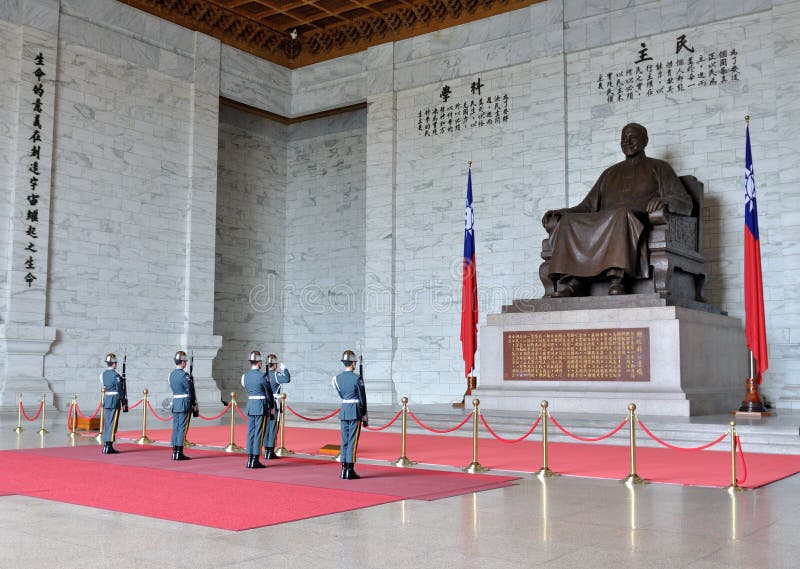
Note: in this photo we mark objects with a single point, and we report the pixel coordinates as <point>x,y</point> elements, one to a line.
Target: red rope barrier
<point>744,464</point>
<point>589,439</point>
<point>153,411</point>
<point>510,441</point>
<point>298,415</point>
<point>215,417</point>
<point>38,412</point>
<point>387,425</point>
<point>96,411</point>
<point>427,428</point>
<point>135,405</point>
<point>242,415</point>
<point>673,447</point>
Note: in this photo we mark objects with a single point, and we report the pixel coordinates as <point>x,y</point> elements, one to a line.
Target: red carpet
<point>699,468</point>
<point>207,489</point>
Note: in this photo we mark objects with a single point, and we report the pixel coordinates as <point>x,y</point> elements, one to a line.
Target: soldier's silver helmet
<point>255,357</point>
<point>111,359</point>
<point>180,356</point>
<point>348,357</point>
<point>272,359</point>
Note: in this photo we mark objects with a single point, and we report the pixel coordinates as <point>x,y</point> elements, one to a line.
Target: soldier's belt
<point>257,397</point>
<point>351,401</point>
<point>111,392</point>
<point>182,396</point>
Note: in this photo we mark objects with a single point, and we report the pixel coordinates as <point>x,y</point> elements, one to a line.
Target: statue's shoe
<point>616,288</point>
<point>564,292</point>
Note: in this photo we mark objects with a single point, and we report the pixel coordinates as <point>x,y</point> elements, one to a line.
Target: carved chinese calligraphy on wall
<point>457,114</point>
<point>577,355</point>
<point>690,68</point>
<point>32,214</point>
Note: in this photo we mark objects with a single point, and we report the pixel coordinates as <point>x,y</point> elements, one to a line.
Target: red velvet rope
<point>38,412</point>
<point>215,417</point>
<point>744,464</point>
<point>135,405</point>
<point>153,411</point>
<point>589,439</point>
<point>427,428</point>
<point>673,447</point>
<point>387,425</point>
<point>96,411</point>
<point>298,415</point>
<point>511,441</point>
<point>242,415</point>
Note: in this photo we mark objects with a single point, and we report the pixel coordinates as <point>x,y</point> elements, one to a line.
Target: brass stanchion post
<point>282,450</point>
<point>144,439</point>
<point>734,486</point>
<point>99,437</point>
<point>43,431</point>
<point>633,478</point>
<point>544,471</point>
<point>475,466</point>
<point>73,412</point>
<point>19,415</point>
<point>404,461</point>
<point>232,446</point>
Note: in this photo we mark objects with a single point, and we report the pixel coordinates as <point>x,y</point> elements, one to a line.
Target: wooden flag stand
<point>752,406</point>
<point>472,383</point>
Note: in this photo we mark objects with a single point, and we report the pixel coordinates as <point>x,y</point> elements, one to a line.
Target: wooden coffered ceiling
<point>324,28</point>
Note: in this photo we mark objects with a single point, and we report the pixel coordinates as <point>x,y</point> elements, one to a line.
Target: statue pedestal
<point>695,360</point>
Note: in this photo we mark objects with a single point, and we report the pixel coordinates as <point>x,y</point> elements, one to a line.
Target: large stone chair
<point>674,242</point>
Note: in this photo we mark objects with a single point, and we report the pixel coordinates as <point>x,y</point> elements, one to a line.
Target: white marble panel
<point>253,81</point>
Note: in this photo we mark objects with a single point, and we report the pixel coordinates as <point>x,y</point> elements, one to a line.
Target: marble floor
<point>561,523</point>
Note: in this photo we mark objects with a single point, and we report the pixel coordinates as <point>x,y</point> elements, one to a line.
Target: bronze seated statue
<point>638,230</point>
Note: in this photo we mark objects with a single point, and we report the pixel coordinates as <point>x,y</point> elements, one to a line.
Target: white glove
<point>281,366</point>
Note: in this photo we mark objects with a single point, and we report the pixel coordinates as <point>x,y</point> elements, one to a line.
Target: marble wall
<point>124,237</point>
<point>250,241</point>
<point>9,86</point>
<point>365,201</point>
<point>323,296</point>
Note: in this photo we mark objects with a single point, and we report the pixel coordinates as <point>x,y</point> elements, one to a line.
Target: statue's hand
<point>656,204</point>
<point>550,219</point>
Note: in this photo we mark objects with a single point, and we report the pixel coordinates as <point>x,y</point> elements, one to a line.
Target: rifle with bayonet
<point>192,392</point>
<point>362,392</point>
<point>123,385</point>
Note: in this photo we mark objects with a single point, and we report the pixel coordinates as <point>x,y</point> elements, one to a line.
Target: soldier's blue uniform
<point>181,409</point>
<point>112,382</point>
<point>260,403</point>
<point>350,387</point>
<point>276,379</point>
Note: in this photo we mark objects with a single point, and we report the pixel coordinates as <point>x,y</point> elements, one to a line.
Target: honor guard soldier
<point>278,375</point>
<point>179,381</point>
<point>260,404</point>
<point>350,387</point>
<point>112,382</point>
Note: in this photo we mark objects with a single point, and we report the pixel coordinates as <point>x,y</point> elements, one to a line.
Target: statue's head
<point>634,139</point>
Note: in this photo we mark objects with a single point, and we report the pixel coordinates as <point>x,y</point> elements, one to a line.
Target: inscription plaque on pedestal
<point>613,354</point>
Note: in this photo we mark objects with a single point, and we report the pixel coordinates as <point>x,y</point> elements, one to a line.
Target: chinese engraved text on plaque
<point>577,355</point>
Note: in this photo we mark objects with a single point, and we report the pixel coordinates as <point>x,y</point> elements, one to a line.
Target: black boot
<point>110,449</point>
<point>179,454</point>
<point>105,447</point>
<point>174,453</point>
<point>344,471</point>
<point>352,474</point>
<point>253,462</point>
<point>269,453</point>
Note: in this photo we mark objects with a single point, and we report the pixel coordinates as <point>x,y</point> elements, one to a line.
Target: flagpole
<point>751,404</point>
<point>471,378</point>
